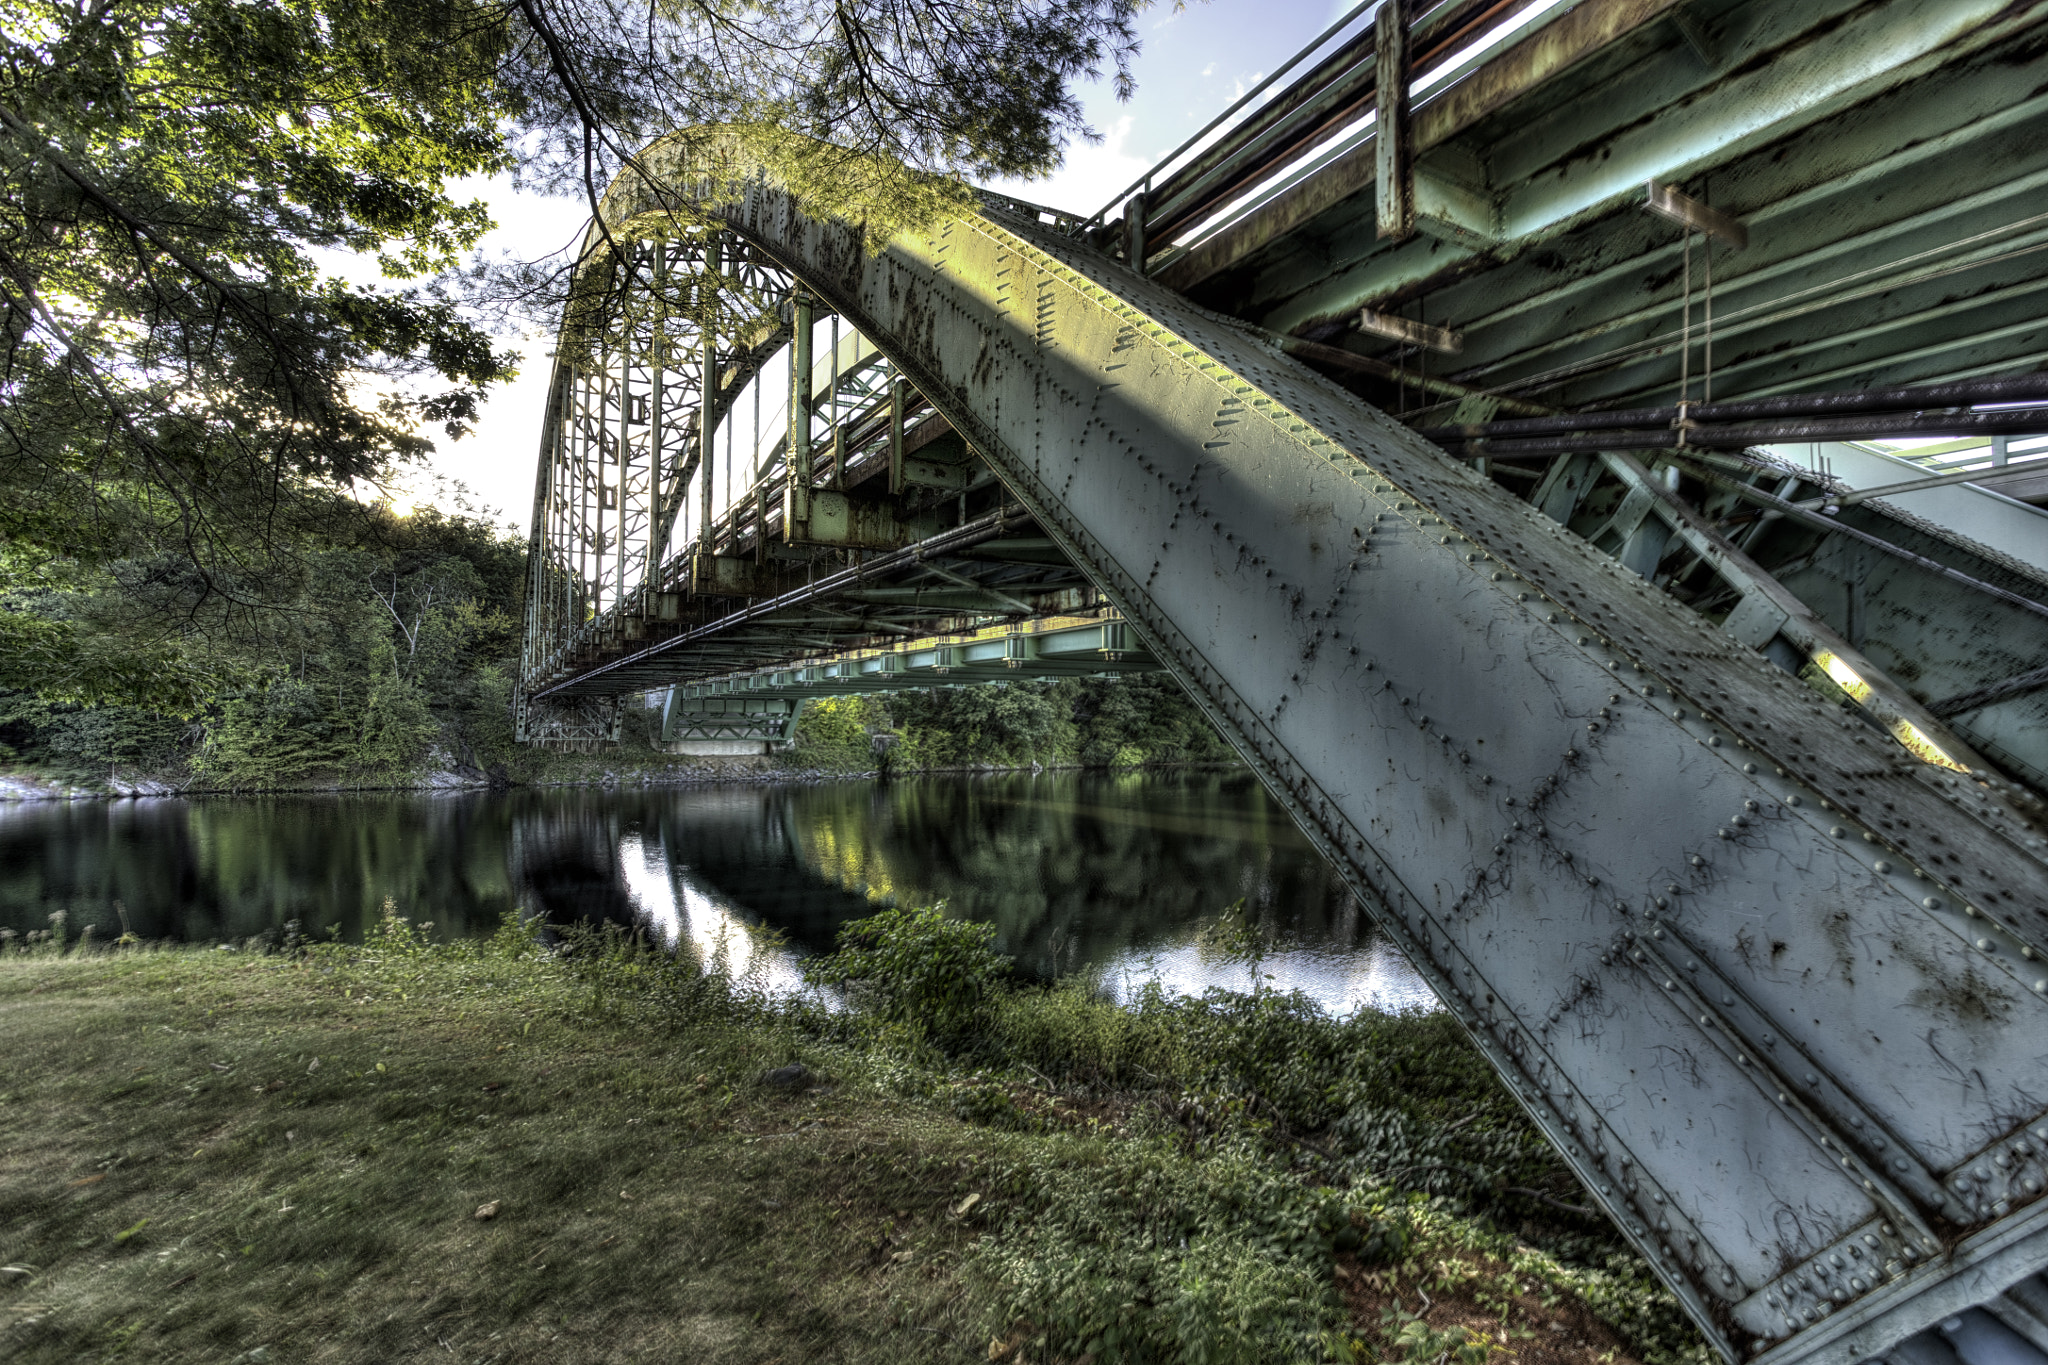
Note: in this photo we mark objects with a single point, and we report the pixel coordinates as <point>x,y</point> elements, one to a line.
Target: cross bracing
<point>764,703</point>
<point>1702,790</point>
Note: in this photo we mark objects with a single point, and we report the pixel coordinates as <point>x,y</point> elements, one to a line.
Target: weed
<point>216,1151</point>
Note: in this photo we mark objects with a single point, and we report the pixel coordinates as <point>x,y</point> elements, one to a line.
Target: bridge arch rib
<point>1775,991</point>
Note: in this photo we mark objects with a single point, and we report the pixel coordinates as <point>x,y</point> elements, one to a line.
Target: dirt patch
<point>1520,1320</point>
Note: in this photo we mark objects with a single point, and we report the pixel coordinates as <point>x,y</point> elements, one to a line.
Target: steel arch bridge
<point>1703,790</point>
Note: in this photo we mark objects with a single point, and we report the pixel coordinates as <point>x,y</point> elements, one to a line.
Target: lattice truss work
<point>660,516</point>
<point>664,320</point>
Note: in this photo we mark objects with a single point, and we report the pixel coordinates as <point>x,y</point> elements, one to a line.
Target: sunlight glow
<point>1905,732</point>
<point>1343,983</point>
<point>680,911</point>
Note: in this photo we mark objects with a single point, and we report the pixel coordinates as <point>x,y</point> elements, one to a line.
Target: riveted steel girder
<point>1775,991</point>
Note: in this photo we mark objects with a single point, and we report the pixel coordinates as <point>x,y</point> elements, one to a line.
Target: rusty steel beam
<point>1991,693</point>
<point>607,677</point>
<point>1394,156</point>
<point>1904,398</point>
<point>1813,73</point>
<point>1322,356</point>
<point>1890,704</point>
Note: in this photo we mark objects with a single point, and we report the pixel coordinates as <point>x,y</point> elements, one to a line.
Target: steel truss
<point>1702,923</point>
<point>1773,982</point>
<point>624,429</point>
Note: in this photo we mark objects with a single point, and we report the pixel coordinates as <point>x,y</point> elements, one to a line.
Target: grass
<point>261,1155</point>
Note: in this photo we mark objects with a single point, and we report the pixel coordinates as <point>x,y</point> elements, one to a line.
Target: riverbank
<point>30,785</point>
<point>484,1152</point>
<point>529,768</point>
<point>57,751</point>
<point>594,770</point>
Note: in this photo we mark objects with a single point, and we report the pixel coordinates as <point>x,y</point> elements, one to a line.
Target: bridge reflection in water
<point>1106,876</point>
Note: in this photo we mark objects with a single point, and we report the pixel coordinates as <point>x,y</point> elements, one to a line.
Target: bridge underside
<point>1697,787</point>
<point>763,704</point>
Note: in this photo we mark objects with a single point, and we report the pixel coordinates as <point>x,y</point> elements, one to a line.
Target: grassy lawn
<point>480,1152</point>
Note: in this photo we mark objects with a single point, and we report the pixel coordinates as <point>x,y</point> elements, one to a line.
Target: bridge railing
<point>1277,136</point>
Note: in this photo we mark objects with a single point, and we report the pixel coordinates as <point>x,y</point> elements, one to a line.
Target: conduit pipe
<point>1922,399</point>
<point>1740,436</point>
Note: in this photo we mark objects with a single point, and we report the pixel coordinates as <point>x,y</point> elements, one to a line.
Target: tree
<point>873,111</point>
<point>171,356</point>
<point>186,399</point>
<point>173,363</point>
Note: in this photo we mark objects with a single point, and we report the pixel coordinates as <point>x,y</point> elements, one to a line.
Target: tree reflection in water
<point>1107,874</point>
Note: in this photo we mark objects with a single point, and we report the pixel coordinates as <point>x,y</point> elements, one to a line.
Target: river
<point>1105,875</point>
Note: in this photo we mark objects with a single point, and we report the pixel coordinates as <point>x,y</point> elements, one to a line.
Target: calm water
<point>1107,875</point>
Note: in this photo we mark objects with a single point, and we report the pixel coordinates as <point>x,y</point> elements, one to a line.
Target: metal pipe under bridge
<point>1470,427</point>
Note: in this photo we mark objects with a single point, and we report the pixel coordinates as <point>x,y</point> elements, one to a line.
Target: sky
<point>1192,65</point>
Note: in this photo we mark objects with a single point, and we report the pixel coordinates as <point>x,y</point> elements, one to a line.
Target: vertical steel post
<point>657,396</point>
<point>590,522</point>
<point>563,543</point>
<point>538,538</point>
<point>1685,332</point>
<point>565,502</point>
<point>627,342</point>
<point>838,446</point>
<point>707,408</point>
<point>1134,231</point>
<point>895,436</point>
<point>1394,162</point>
<point>804,322</point>
<point>596,481</point>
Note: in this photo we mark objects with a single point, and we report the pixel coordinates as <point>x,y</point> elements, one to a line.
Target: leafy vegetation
<point>1088,722</point>
<point>289,1146</point>
<point>386,644</point>
<point>190,403</point>
<point>916,970</point>
<point>393,656</point>
<point>187,400</point>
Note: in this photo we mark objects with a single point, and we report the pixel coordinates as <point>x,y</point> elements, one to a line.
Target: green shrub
<point>834,733</point>
<point>395,729</point>
<point>271,736</point>
<point>978,1099</point>
<point>1123,722</point>
<point>993,724</point>
<point>1070,1031</point>
<point>916,969</point>
<point>1142,1256</point>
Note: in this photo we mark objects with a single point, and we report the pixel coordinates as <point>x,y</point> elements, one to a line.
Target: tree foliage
<point>388,637</point>
<point>189,399</point>
<point>870,110</point>
<point>175,368</point>
<point>1091,722</point>
<point>916,969</point>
